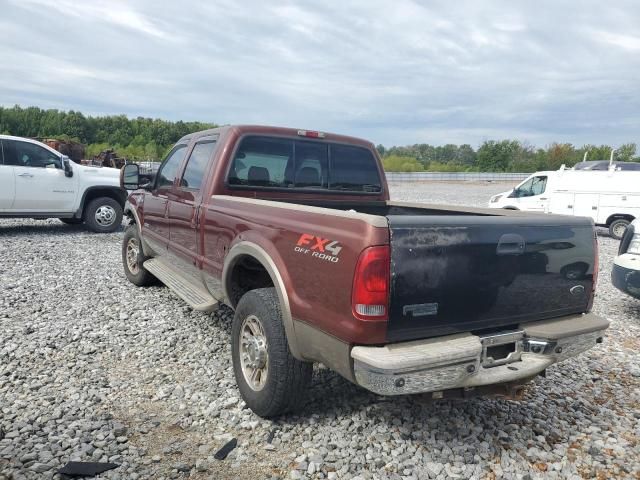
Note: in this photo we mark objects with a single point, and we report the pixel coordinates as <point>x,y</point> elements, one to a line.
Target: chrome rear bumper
<point>467,360</point>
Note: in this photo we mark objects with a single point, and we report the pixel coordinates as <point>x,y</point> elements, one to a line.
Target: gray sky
<point>396,72</point>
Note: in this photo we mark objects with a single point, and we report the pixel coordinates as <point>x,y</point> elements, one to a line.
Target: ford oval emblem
<point>577,290</point>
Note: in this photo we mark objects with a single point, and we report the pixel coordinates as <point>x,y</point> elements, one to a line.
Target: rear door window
<point>267,162</point>
<point>197,164</point>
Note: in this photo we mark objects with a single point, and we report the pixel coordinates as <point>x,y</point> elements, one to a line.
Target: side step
<point>183,286</point>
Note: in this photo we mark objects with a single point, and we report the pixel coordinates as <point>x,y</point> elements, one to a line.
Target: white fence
<point>455,176</point>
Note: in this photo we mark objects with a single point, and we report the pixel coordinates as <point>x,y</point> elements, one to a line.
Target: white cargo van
<point>611,198</point>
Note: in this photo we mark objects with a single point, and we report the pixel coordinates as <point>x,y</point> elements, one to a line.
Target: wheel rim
<point>133,250</point>
<point>619,229</point>
<point>254,355</point>
<point>105,215</point>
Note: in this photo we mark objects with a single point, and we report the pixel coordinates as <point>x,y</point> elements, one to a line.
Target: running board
<point>186,288</point>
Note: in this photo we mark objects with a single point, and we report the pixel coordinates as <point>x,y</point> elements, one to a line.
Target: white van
<point>611,198</point>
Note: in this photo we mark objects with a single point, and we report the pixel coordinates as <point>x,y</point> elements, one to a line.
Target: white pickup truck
<point>36,181</point>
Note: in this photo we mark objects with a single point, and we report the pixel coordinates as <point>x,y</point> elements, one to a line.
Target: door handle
<point>544,198</point>
<point>25,175</point>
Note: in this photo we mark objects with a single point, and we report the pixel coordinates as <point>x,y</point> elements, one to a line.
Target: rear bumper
<point>625,274</point>
<point>466,360</point>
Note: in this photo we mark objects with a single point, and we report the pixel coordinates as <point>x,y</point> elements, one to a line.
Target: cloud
<point>627,42</point>
<point>402,72</point>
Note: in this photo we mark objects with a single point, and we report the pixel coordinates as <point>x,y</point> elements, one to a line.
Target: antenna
<point>611,157</point>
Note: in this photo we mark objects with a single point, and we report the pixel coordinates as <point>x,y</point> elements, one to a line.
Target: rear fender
<point>273,264</point>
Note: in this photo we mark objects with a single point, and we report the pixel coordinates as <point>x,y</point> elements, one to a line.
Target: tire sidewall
<point>268,313</point>
<point>612,228</point>
<point>140,277</point>
<point>89,216</point>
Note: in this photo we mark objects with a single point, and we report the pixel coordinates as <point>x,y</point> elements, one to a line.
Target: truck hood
<point>97,175</point>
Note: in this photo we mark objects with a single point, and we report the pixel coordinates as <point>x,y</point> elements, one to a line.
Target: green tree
<point>496,156</point>
<point>626,152</point>
<point>397,163</point>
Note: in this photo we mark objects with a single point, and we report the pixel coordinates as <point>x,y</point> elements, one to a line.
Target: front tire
<point>618,227</point>
<point>271,381</point>
<point>103,215</point>
<point>133,258</point>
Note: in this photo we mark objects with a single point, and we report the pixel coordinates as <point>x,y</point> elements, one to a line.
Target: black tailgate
<point>461,273</point>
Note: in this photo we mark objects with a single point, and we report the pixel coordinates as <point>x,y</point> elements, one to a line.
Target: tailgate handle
<point>511,244</point>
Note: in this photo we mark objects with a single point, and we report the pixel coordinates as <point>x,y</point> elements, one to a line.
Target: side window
<point>197,164</point>
<point>539,185</point>
<point>169,168</point>
<point>263,162</point>
<point>533,186</point>
<point>524,190</point>
<point>31,155</point>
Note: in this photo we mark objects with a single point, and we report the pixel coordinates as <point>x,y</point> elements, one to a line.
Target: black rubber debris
<point>86,469</point>
<point>226,449</point>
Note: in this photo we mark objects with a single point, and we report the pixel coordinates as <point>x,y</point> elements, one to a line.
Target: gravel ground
<point>92,368</point>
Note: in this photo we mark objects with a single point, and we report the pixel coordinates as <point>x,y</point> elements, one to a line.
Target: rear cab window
<point>262,162</point>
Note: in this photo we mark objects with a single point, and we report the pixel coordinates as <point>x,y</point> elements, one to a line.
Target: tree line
<point>135,138</point>
<point>497,156</point>
<point>150,139</point>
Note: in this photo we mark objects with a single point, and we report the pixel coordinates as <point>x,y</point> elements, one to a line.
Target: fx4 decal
<point>322,248</point>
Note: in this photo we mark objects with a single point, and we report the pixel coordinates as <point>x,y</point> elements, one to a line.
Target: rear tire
<point>133,258</point>
<point>271,381</point>
<point>71,221</point>
<point>618,227</point>
<point>103,215</point>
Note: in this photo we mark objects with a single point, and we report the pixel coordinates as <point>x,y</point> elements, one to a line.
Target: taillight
<point>370,293</point>
<point>596,268</point>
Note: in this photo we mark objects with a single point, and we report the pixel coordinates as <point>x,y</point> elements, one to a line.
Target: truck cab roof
<point>242,130</point>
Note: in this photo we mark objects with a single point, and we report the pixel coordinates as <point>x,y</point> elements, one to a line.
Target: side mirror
<point>66,165</point>
<point>130,176</point>
<point>514,193</point>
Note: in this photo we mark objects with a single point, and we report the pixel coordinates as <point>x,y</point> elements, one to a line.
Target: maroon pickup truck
<point>294,230</point>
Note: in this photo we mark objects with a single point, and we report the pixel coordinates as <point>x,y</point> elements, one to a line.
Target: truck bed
<point>457,269</point>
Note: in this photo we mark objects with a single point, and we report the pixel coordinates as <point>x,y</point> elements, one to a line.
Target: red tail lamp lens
<point>370,295</point>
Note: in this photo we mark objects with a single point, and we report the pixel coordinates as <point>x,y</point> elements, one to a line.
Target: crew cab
<point>625,275</point>
<point>37,181</point>
<point>294,230</point>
